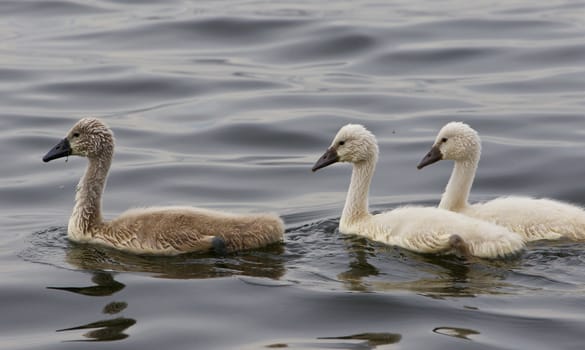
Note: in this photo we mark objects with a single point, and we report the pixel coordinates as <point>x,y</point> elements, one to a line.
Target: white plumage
<point>532,218</point>
<point>421,229</point>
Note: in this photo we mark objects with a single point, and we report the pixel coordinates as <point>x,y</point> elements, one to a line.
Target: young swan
<point>421,229</point>
<point>533,219</point>
<point>159,230</point>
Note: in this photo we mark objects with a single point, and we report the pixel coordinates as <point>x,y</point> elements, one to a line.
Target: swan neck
<point>456,195</point>
<point>87,213</point>
<point>356,203</point>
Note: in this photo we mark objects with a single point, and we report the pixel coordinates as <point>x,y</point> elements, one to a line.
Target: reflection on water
<point>318,255</point>
<point>366,266</point>
<point>450,276</point>
<point>105,330</point>
<point>462,333</point>
<point>355,341</point>
<point>114,307</point>
<point>372,340</point>
<point>108,329</point>
<point>226,105</point>
<point>359,267</point>
<point>105,285</point>
<point>52,247</point>
<point>259,263</point>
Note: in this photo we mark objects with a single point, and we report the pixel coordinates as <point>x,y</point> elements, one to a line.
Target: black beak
<point>62,149</point>
<point>433,156</point>
<point>328,158</point>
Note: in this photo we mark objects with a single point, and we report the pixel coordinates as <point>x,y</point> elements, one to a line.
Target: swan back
<point>181,229</point>
<point>430,230</point>
<point>533,218</point>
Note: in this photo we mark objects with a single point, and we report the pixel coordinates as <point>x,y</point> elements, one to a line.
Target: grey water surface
<point>227,104</point>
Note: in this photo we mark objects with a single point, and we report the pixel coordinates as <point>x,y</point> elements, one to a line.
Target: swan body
<point>156,230</point>
<point>532,218</point>
<point>421,229</point>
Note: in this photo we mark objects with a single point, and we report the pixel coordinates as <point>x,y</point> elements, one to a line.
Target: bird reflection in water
<point>366,341</point>
<point>359,267</point>
<point>461,333</point>
<point>105,285</point>
<point>446,275</point>
<point>264,262</point>
<point>372,340</point>
<point>108,329</point>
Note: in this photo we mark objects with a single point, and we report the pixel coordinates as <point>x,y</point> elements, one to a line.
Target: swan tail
<point>261,230</point>
<point>497,248</point>
<point>577,232</point>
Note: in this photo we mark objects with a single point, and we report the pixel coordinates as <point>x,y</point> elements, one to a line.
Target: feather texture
<point>420,229</point>
<point>532,218</point>
<point>156,230</point>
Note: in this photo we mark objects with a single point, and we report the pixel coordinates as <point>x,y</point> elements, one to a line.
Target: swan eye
<point>444,139</point>
<point>341,143</point>
<point>76,134</point>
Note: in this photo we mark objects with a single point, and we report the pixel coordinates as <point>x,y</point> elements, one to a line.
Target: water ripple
<point>227,104</point>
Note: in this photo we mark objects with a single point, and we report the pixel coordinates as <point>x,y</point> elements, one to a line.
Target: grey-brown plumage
<point>156,230</point>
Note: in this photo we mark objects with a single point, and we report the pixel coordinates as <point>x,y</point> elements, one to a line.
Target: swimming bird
<point>420,229</point>
<point>532,218</point>
<point>156,230</point>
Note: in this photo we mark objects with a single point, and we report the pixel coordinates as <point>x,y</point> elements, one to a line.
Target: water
<point>227,104</point>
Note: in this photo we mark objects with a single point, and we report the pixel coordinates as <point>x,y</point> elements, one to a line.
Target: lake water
<point>227,104</point>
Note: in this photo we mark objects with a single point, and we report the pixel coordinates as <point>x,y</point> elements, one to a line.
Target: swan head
<point>455,141</point>
<point>353,144</point>
<point>89,137</point>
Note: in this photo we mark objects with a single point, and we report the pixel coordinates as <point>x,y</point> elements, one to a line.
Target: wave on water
<point>317,256</point>
<point>52,247</point>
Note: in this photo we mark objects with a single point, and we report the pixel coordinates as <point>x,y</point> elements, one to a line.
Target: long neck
<point>356,203</point>
<point>456,193</point>
<point>87,213</point>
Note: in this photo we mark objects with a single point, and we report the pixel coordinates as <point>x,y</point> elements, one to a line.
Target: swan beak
<point>62,149</point>
<point>328,158</point>
<point>433,156</point>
